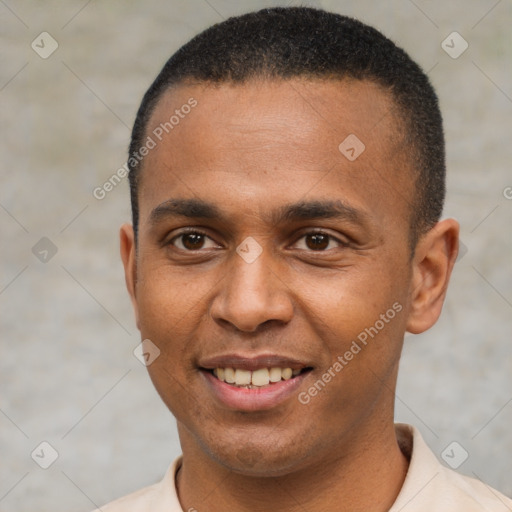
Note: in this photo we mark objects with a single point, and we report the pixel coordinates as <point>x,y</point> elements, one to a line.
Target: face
<point>267,249</point>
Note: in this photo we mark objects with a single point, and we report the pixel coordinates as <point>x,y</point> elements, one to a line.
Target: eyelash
<point>192,231</point>
<point>195,231</point>
<point>328,235</point>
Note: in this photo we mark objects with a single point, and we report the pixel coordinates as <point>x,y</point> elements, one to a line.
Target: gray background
<point>68,374</point>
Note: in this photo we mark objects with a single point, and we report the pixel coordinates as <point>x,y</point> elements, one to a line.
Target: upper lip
<point>252,362</point>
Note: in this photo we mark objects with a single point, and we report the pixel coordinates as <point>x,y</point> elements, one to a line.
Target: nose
<point>252,295</point>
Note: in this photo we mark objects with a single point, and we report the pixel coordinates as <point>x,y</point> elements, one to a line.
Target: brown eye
<point>317,241</point>
<point>193,241</point>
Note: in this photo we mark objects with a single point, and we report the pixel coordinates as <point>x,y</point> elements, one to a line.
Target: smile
<point>248,382</point>
<point>259,378</point>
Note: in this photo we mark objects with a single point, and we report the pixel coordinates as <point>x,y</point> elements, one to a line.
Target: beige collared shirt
<point>428,487</point>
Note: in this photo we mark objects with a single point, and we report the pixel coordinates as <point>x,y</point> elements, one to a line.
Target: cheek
<point>168,313</point>
<point>359,319</point>
<point>166,316</point>
<point>346,303</point>
<point>168,297</point>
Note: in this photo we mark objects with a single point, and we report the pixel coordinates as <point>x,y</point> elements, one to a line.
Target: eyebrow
<point>190,208</point>
<point>300,211</point>
<point>311,210</point>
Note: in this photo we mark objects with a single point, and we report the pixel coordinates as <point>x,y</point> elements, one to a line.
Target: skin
<point>249,150</point>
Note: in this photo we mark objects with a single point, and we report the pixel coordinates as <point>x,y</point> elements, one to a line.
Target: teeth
<point>287,373</point>
<point>275,374</point>
<point>229,375</point>
<point>258,378</point>
<point>242,377</point>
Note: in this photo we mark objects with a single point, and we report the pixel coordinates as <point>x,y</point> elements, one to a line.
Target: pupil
<point>317,241</point>
<point>193,241</point>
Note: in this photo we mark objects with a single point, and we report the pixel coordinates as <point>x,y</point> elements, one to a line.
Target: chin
<point>269,458</point>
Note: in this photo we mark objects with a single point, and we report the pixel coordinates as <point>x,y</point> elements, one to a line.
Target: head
<point>288,216</point>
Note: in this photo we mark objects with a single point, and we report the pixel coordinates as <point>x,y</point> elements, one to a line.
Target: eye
<point>193,241</point>
<point>318,241</point>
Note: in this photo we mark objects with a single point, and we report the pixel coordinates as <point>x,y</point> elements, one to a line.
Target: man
<point>287,179</point>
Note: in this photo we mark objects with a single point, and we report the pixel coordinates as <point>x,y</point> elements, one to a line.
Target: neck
<point>365,472</point>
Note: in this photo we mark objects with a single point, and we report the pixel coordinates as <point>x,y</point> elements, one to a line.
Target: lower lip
<point>255,399</point>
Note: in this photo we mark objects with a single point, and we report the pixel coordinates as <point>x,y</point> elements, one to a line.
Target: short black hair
<point>290,42</point>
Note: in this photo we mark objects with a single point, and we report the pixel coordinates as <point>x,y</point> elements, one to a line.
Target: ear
<point>433,261</point>
<point>129,257</point>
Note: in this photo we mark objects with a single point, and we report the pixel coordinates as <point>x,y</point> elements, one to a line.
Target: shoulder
<point>471,493</point>
<point>431,486</point>
<point>160,497</point>
<point>138,501</point>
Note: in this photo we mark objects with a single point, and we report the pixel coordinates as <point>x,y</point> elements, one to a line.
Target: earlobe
<point>433,262</point>
<point>129,257</point>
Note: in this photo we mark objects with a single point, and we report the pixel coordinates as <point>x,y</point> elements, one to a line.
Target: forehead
<point>297,107</point>
<point>261,136</point>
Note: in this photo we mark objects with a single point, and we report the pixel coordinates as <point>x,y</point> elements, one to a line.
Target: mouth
<point>256,379</point>
<point>253,383</point>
